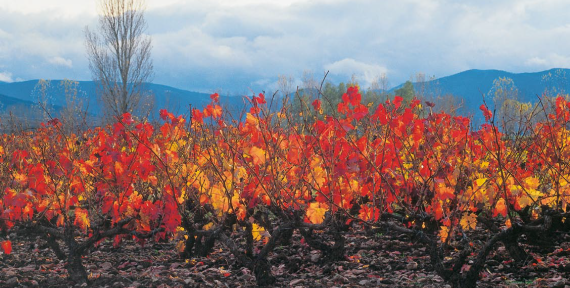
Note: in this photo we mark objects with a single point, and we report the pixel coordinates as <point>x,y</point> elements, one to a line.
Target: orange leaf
<point>216,111</point>
<point>258,155</point>
<point>81,218</point>
<point>250,120</point>
<point>500,208</point>
<point>316,212</point>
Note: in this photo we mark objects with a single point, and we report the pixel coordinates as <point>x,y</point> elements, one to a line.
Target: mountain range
<point>473,85</point>
<point>470,85</point>
<point>24,95</point>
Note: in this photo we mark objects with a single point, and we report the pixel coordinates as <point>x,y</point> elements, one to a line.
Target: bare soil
<point>380,260</point>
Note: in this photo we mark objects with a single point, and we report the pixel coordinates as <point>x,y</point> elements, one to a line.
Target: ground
<point>379,260</point>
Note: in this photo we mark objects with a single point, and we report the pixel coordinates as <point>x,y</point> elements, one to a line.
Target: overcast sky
<point>242,46</point>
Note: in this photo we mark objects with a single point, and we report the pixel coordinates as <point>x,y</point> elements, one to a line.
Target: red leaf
<point>381,115</point>
<point>54,122</point>
<point>215,111</point>
<point>352,96</point>
<point>342,107</point>
<point>127,118</point>
<point>261,99</point>
<point>163,114</point>
<point>316,104</point>
<point>197,116</point>
<point>7,247</point>
<point>408,116</point>
<point>398,101</point>
<point>488,115</point>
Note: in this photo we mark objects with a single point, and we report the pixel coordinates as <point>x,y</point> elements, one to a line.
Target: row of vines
<point>200,181</point>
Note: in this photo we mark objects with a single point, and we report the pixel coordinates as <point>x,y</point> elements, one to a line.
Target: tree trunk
<point>75,268</point>
<point>515,250</point>
<point>262,271</point>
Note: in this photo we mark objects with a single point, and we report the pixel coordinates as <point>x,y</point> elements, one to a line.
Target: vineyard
<point>254,184</point>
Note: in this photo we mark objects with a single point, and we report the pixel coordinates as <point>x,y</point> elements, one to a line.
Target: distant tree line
<point>510,113</point>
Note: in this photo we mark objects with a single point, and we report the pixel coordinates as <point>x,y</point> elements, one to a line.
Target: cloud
<point>549,61</point>
<point>6,77</point>
<point>362,71</point>
<point>60,61</point>
<point>243,45</point>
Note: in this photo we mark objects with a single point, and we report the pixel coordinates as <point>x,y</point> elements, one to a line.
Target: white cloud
<point>6,77</point>
<point>237,45</point>
<point>536,61</point>
<point>363,71</point>
<point>60,61</point>
<point>4,34</point>
<point>549,61</point>
<point>60,7</point>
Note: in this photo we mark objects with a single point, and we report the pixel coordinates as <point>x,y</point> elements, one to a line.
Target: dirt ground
<point>379,260</point>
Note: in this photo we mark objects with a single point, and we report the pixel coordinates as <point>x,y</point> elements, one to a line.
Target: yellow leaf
<point>240,174</point>
<point>250,120</point>
<point>443,233</point>
<point>180,246</point>
<point>21,178</point>
<point>468,221</point>
<point>182,197</point>
<point>480,181</point>
<point>319,176</point>
<point>179,231</point>
<point>316,212</point>
<point>208,226</point>
<point>218,199</point>
<point>257,231</point>
<point>525,201</point>
<point>532,182</point>
<point>354,185</point>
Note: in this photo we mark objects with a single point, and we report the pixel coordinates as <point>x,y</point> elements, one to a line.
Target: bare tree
<point>308,80</point>
<point>73,114</point>
<point>285,85</point>
<point>119,55</point>
<point>44,101</point>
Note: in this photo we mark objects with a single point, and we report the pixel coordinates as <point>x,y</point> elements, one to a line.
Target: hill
<point>471,85</point>
<point>7,101</point>
<point>165,97</point>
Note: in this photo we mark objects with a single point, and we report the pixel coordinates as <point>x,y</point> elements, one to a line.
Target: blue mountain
<point>473,85</point>
<point>470,85</point>
<point>165,97</point>
<point>7,101</point>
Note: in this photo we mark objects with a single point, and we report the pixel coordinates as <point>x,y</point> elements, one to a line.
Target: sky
<point>242,46</point>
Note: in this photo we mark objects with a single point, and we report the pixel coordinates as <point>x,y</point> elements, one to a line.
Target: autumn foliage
<point>200,180</point>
